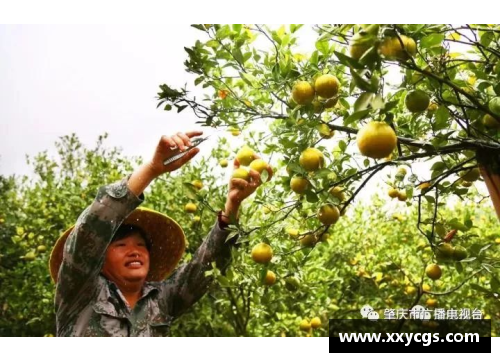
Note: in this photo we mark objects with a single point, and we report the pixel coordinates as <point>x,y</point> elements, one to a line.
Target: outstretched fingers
<point>192,134</point>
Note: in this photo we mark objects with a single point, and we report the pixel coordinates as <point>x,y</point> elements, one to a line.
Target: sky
<point>58,80</point>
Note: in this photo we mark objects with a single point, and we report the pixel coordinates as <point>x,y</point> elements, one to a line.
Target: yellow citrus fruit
<point>30,256</point>
<point>361,42</point>
<point>242,174</point>
<point>327,86</point>
<point>357,50</point>
<point>328,214</point>
<point>236,132</point>
<point>393,193</point>
<point>459,253</point>
<point>262,253</point>
<point>470,175</point>
<point>411,290</point>
<point>299,184</point>
<point>316,322</point>
<point>376,140</point>
<point>402,196</point>
<point>303,93</point>
<point>311,159</point>
<point>424,186</point>
<point>325,131</point>
<point>198,184</point>
<point>466,183</point>
<point>245,156</point>
<point>431,303</point>
<point>190,207</point>
<point>196,219</point>
<point>293,233</point>
<point>490,121</point>
<point>308,240</point>
<point>259,165</point>
<point>432,107</point>
<point>223,163</point>
<point>444,251</point>
<point>305,325</point>
<point>417,101</point>
<point>426,287</point>
<point>433,271</point>
<point>338,192</point>
<point>41,248</point>
<point>392,49</point>
<point>270,278</point>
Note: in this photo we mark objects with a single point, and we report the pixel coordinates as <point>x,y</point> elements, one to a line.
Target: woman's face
<point>127,260</point>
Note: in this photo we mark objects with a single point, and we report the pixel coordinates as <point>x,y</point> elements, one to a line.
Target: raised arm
<point>189,283</point>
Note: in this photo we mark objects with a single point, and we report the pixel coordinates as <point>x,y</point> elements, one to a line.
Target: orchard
<point>384,142</point>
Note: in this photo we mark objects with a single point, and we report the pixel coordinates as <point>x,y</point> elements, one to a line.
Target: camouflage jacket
<point>88,304</point>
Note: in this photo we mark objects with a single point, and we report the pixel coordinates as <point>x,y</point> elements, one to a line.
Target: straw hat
<point>167,243</point>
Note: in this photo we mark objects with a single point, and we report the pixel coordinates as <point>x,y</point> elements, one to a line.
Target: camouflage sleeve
<point>85,248</point>
<point>189,283</point>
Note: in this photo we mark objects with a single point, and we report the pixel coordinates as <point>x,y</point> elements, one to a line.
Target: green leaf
<point>199,27</point>
<point>363,101</point>
<point>223,281</point>
<point>432,40</point>
<point>223,32</point>
<point>344,103</point>
<point>495,285</point>
<point>264,176</point>
<point>249,79</point>
<point>314,58</point>
<point>237,27</point>
<point>168,107</point>
<point>356,116</point>
<point>212,44</point>
<point>238,55</point>
<point>442,116</point>
<point>311,197</point>
<point>190,191</point>
<point>323,46</point>
<point>342,145</point>
<point>377,102</point>
<point>438,166</point>
<point>348,61</point>
<point>479,288</point>
<point>487,38</point>
<point>362,83</point>
<point>198,80</point>
<point>454,224</point>
<point>295,27</point>
<point>369,57</point>
<point>180,108</point>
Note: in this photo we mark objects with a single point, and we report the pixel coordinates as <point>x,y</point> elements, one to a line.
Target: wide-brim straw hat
<point>167,238</point>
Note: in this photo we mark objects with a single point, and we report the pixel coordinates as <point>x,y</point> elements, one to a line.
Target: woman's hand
<point>240,189</point>
<point>170,146</point>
